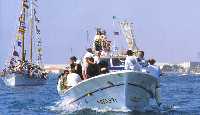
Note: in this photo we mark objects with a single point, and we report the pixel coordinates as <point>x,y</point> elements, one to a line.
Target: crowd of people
<point>91,66</point>
<point>135,61</point>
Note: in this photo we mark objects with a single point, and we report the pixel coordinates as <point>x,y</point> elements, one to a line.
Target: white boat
<point>20,70</point>
<point>17,79</point>
<point>117,90</point>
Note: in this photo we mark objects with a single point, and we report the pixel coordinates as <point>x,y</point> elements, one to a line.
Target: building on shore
<point>184,67</point>
<point>54,68</point>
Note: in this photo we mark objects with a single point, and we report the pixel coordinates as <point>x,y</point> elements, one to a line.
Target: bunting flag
<point>116,33</point>
<point>114,17</point>
<point>34,11</point>
<point>37,30</point>
<point>37,20</point>
<point>15,53</point>
<point>19,43</point>
<point>39,49</point>
<point>18,37</point>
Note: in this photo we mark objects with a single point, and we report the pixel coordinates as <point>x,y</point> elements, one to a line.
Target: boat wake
<point>61,108</point>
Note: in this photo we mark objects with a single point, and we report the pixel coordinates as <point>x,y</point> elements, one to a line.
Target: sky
<point>167,30</point>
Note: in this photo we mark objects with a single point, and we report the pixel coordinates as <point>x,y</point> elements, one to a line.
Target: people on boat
<point>152,69</point>
<point>63,78</point>
<point>131,62</point>
<point>97,57</point>
<point>141,61</point>
<point>76,66</point>
<point>103,67</point>
<point>97,40</point>
<point>86,57</point>
<point>73,78</point>
<point>101,43</point>
<point>92,69</point>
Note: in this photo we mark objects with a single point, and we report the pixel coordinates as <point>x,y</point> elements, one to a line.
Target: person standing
<point>86,57</point>
<point>76,66</point>
<point>155,72</point>
<point>141,61</point>
<point>152,69</point>
<point>131,62</point>
<point>93,68</point>
<point>97,57</point>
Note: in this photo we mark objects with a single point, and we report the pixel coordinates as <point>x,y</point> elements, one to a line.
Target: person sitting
<point>73,78</point>
<point>63,78</point>
<point>92,69</point>
<point>131,62</point>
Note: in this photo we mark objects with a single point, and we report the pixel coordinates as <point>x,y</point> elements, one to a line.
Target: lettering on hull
<point>107,100</point>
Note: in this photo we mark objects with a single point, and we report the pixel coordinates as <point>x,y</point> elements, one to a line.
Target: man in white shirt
<point>155,72</point>
<point>141,61</point>
<point>153,69</point>
<point>131,62</point>
<point>88,55</point>
<point>73,78</point>
<point>97,57</point>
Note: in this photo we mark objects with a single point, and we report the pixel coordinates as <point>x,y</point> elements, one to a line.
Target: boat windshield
<point>107,60</point>
<point>118,61</point>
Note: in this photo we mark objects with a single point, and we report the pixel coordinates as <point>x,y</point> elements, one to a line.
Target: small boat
<point>117,89</point>
<point>18,79</point>
<point>20,70</point>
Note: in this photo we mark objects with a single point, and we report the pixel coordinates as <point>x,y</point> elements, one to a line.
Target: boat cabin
<point>114,63</point>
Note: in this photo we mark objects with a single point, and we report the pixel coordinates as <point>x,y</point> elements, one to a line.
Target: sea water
<point>181,93</point>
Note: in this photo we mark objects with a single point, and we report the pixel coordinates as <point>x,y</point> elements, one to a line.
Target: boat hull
<point>118,90</point>
<point>17,79</point>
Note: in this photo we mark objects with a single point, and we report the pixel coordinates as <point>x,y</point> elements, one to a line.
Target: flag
<point>15,53</point>
<point>114,17</point>
<point>37,20</point>
<point>18,37</point>
<point>116,33</point>
<point>37,30</point>
<point>39,49</point>
<point>34,11</point>
<point>19,43</point>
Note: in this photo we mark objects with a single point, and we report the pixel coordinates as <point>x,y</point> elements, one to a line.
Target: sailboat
<point>117,89</point>
<point>21,70</point>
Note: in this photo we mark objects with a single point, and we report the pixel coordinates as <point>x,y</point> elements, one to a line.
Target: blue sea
<point>181,93</point>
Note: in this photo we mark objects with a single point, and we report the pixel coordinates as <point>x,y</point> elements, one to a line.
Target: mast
<point>37,32</point>
<point>31,34</point>
<point>22,28</point>
<point>23,35</point>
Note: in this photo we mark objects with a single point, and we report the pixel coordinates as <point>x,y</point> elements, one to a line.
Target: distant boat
<point>20,70</point>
